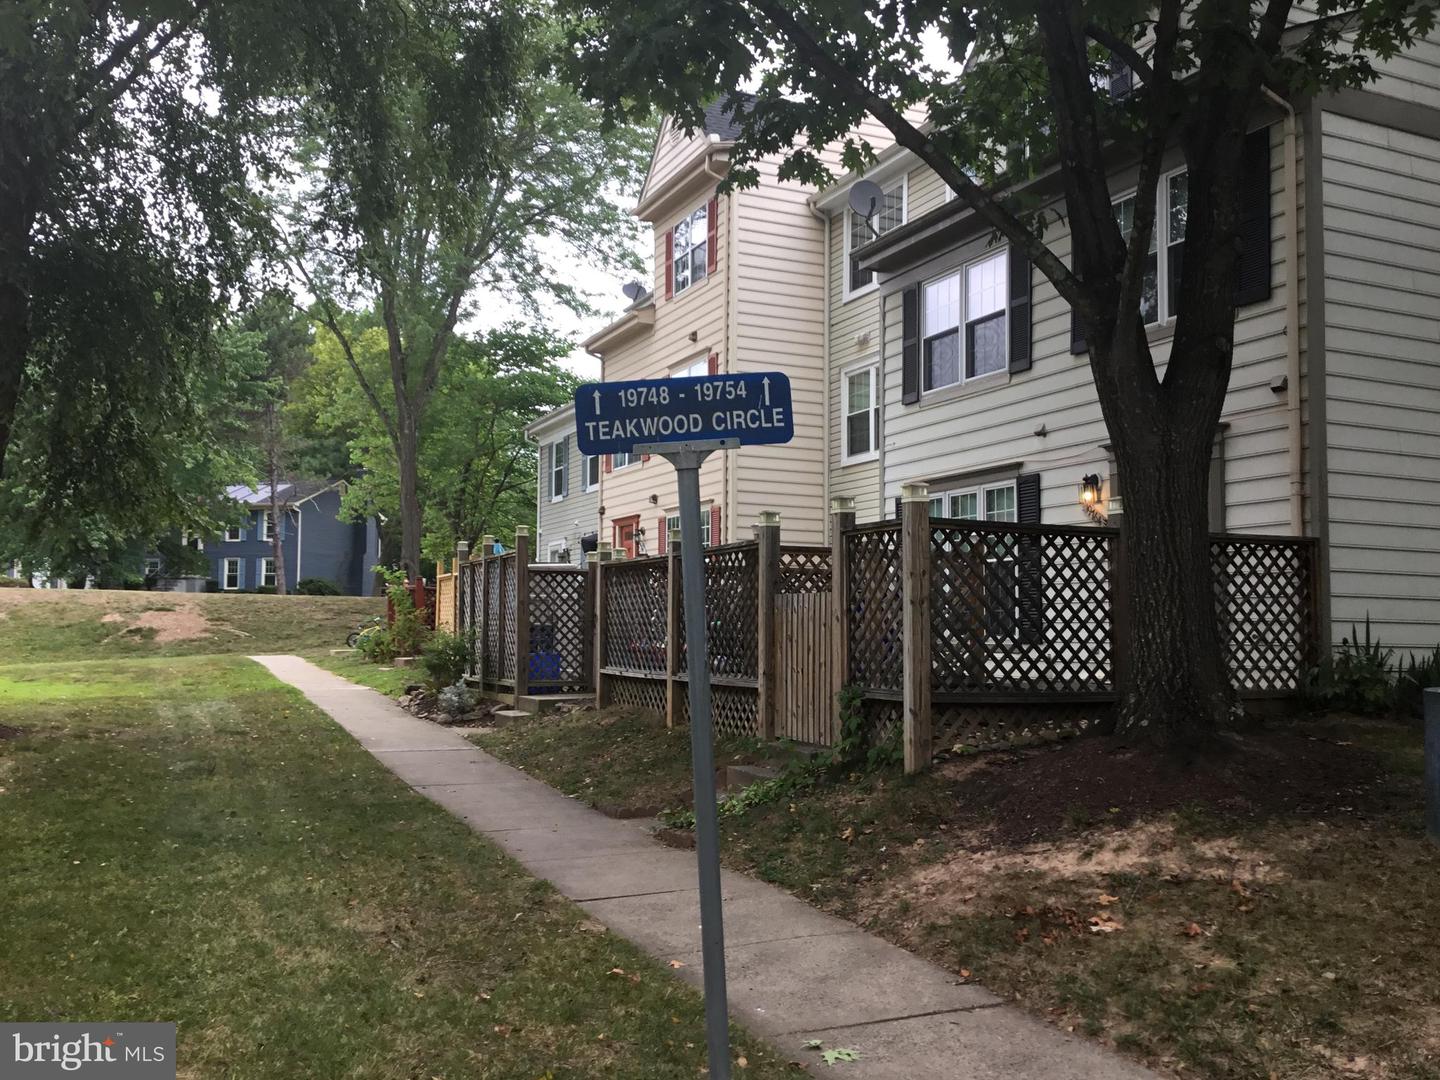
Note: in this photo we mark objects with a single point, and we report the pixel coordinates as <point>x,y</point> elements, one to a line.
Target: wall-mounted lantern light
<point>1090,495</point>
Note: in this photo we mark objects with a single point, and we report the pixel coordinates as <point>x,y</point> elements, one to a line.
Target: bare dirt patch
<point>181,624</point>
<point>8,732</point>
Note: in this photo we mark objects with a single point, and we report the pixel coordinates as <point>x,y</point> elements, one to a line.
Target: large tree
<point>1025,89</point>
<point>476,468</point>
<point>468,172</point>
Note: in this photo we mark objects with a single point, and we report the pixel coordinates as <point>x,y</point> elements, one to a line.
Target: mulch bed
<point>1024,796</point>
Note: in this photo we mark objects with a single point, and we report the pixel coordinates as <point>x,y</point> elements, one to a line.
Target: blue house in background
<point>316,542</point>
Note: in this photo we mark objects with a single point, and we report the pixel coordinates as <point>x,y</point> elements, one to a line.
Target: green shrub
<point>408,631</point>
<point>1358,678</point>
<point>1412,679</point>
<point>858,746</point>
<point>14,583</point>
<point>264,590</point>
<point>376,644</point>
<point>314,586</point>
<point>445,658</point>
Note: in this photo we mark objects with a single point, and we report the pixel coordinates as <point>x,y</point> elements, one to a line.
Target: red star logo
<point>108,1042</point>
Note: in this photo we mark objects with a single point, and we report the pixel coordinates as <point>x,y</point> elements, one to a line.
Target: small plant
<point>446,657</point>
<point>457,700</point>
<point>1358,678</point>
<point>1412,679</point>
<point>407,629</point>
<point>859,745</point>
<point>314,586</point>
<point>376,644</point>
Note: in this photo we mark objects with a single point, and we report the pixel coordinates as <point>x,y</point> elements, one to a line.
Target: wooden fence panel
<point>804,711</point>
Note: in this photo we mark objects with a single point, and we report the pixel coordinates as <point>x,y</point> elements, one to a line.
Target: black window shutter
<point>1020,351</point>
<point>1252,279</point>
<point>910,345</point>
<point>547,469</point>
<point>899,506</point>
<point>1077,334</point>
<point>1029,561</point>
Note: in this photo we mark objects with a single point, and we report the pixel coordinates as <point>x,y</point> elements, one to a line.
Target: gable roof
<point>291,492</point>
<point>723,120</point>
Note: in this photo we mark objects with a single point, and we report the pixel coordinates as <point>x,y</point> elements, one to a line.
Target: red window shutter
<point>669,263</point>
<point>609,464</point>
<point>712,364</point>
<point>715,524</point>
<point>662,538</point>
<point>712,228</point>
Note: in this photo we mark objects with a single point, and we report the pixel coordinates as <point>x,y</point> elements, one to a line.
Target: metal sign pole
<point>687,459</point>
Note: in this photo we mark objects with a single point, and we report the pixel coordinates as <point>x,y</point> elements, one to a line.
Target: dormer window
<point>689,249</point>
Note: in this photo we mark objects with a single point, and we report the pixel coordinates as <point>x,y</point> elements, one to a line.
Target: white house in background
<point>951,361</point>
<point>567,491</point>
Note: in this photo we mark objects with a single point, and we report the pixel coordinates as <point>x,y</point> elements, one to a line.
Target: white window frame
<point>152,567</point>
<point>962,273</point>
<point>558,547</point>
<point>872,369</point>
<point>692,369</point>
<point>234,533</point>
<point>946,499</point>
<point>1164,305</point>
<point>672,523</point>
<point>592,461</point>
<point>630,459</point>
<point>703,246</point>
<point>267,526</point>
<point>265,568</point>
<point>848,227</point>
<point>225,566</point>
<point>559,467</point>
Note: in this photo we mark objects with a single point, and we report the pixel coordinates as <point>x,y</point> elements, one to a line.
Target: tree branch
<point>907,135</point>
<point>139,67</point>
<point>332,323</point>
<point>1121,49</point>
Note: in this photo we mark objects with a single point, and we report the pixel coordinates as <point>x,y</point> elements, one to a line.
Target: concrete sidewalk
<point>795,974</point>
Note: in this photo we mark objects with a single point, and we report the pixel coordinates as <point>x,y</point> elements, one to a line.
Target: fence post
<point>602,621</point>
<point>915,583</point>
<point>842,519</point>
<point>522,613</point>
<point>767,537</point>
<point>672,627</point>
<point>457,606</point>
<point>587,622</point>
<point>487,549</point>
<point>1432,762</point>
<point>1119,616</point>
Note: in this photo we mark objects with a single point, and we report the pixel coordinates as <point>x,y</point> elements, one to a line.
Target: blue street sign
<point>614,418</point>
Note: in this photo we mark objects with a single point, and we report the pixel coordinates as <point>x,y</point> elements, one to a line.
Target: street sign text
<point>753,407</point>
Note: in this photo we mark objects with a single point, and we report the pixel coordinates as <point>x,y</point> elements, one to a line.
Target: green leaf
<point>840,1054</point>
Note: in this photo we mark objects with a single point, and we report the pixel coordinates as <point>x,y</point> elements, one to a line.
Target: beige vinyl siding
<point>1382,288</point>
<point>573,516</point>
<point>995,423</point>
<point>1413,75</point>
<point>779,326</point>
<point>701,310</point>
<point>674,149</point>
<point>855,343</point>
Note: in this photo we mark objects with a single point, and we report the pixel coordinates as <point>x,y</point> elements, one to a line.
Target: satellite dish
<point>633,290</point>
<point>865,198</point>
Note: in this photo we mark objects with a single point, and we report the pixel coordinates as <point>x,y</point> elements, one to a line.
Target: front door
<point>625,535</point>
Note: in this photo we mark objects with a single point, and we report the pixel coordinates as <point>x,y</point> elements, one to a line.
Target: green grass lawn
<point>1203,924</point>
<point>389,680</point>
<point>89,624</point>
<point>187,839</point>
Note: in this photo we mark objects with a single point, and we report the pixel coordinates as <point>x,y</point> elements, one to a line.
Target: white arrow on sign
<point>765,382</point>
<point>597,401</point>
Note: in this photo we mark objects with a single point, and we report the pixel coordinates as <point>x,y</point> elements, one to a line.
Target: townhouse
<point>738,285</point>
<point>567,491</point>
<point>951,361</point>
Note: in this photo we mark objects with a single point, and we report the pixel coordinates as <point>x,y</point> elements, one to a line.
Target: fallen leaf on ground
<point>1192,930</point>
<point>848,834</point>
<point>1105,900</point>
<point>677,963</point>
<point>1104,923</point>
<point>840,1054</point>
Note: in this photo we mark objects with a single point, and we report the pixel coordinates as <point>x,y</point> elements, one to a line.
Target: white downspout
<point>299,541</point>
<point>729,475</point>
<point>826,389</point>
<point>1293,415</point>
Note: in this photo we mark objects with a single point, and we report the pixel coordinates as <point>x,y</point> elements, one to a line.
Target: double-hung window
<point>559,458</point>
<point>1161,283</point>
<point>964,323</point>
<point>620,460</point>
<point>689,249</point>
<point>862,415</point>
<point>672,524</point>
<point>230,574</point>
<point>267,527</point>
<point>267,572</point>
<point>990,502</point>
<point>859,232</point>
<point>592,472</point>
<point>233,533</point>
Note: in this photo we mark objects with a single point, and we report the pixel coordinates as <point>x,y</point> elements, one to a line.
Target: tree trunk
<point>14,317</point>
<point>277,547</point>
<point>408,452</point>
<point>1174,685</point>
